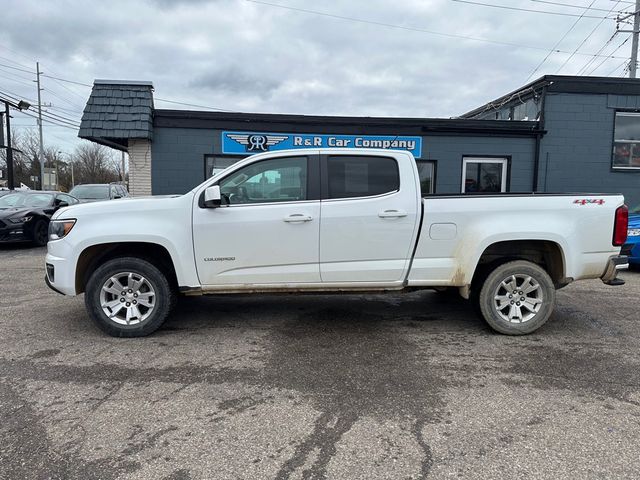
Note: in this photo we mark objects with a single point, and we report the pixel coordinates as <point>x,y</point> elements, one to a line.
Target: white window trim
<point>503,160</point>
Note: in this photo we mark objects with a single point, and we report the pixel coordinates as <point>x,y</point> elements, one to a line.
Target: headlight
<point>60,228</point>
<point>21,219</point>
<point>633,232</point>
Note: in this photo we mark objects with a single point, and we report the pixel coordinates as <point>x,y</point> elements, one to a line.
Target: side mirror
<point>61,204</point>
<point>212,197</point>
<point>115,197</point>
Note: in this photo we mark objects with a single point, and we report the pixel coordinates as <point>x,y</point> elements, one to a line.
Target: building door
<point>484,175</point>
<point>269,232</point>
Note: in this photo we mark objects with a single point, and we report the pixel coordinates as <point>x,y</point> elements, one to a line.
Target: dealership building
<point>556,134</point>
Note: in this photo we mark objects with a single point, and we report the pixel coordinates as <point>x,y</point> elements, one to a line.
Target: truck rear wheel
<point>517,298</point>
<point>128,297</point>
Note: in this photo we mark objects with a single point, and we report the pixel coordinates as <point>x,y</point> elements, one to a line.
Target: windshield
<point>26,200</point>
<point>636,209</point>
<point>90,192</point>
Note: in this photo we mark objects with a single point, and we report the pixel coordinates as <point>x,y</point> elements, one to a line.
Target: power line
<point>577,6</point>
<point>547,12</point>
<point>17,75</point>
<point>559,41</point>
<point>17,68</point>
<point>403,27</point>
<point>193,105</point>
<point>66,100</point>
<point>66,80</point>
<point>594,58</point>
<point>606,59</point>
<point>586,39</point>
<point>23,112</point>
<point>617,68</point>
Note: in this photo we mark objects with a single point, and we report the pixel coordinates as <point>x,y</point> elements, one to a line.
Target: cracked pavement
<point>398,386</point>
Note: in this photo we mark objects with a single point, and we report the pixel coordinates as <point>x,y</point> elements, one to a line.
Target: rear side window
<point>361,176</point>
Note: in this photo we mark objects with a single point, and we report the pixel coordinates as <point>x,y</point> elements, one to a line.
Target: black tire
<point>40,232</point>
<point>541,299</point>
<point>164,297</point>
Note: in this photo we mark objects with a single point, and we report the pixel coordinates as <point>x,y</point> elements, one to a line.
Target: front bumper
<point>10,232</point>
<point>615,263</point>
<point>60,266</point>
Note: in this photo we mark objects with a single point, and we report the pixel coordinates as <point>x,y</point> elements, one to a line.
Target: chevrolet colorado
<point>331,220</point>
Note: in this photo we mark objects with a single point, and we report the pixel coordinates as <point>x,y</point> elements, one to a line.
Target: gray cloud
<point>238,55</point>
<point>236,80</point>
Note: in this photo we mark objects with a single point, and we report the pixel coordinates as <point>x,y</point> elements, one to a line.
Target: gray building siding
<point>575,154</point>
<point>178,158</point>
<point>449,150</point>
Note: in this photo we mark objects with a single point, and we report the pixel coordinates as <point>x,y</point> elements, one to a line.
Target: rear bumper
<point>632,249</point>
<point>615,263</point>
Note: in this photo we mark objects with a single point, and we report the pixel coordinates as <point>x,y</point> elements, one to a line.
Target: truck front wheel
<point>128,297</point>
<point>517,298</point>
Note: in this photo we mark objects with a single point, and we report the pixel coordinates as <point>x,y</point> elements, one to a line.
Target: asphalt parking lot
<point>307,387</point>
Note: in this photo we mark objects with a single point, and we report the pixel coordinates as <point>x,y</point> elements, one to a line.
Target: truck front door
<point>269,233</point>
<point>370,215</point>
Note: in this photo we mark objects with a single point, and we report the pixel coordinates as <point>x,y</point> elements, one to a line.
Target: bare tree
<point>94,163</point>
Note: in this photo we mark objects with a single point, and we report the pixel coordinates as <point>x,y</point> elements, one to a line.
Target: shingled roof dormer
<point>117,111</point>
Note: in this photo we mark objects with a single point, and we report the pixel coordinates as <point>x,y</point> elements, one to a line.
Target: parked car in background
<point>632,247</point>
<point>25,215</point>
<point>95,192</point>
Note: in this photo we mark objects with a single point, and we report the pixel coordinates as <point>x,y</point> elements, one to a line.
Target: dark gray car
<point>95,192</point>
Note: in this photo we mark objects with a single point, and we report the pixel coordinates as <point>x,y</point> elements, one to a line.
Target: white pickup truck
<point>331,220</point>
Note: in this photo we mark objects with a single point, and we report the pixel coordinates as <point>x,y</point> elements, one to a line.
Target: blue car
<point>632,247</point>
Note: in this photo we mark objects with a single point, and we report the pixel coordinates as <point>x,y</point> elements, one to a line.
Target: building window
<point>361,176</point>
<point>626,144</point>
<point>427,174</point>
<point>484,175</point>
<point>216,163</point>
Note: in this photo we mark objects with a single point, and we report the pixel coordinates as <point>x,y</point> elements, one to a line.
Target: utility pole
<point>9,149</point>
<point>634,42</point>
<point>41,151</point>
<point>633,63</point>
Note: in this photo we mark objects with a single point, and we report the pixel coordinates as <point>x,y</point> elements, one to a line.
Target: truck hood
<point>634,220</point>
<point>127,205</point>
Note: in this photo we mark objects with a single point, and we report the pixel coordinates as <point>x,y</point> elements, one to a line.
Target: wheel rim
<point>518,298</point>
<point>127,298</point>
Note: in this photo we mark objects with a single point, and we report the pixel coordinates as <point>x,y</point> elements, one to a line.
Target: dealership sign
<point>242,143</point>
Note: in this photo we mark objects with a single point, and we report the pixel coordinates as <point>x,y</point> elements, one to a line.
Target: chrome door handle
<point>297,217</point>
<point>392,214</point>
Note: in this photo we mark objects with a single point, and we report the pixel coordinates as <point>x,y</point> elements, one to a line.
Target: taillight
<point>621,225</point>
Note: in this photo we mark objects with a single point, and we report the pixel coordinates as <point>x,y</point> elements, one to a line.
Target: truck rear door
<point>370,210</point>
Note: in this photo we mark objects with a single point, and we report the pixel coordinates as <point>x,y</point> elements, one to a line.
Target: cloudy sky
<point>423,58</point>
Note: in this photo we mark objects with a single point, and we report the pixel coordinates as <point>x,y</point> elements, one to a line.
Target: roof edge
<point>103,81</point>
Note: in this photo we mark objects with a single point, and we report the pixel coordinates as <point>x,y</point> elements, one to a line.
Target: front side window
<point>361,176</point>
<point>626,143</point>
<point>276,180</point>
<point>484,175</point>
